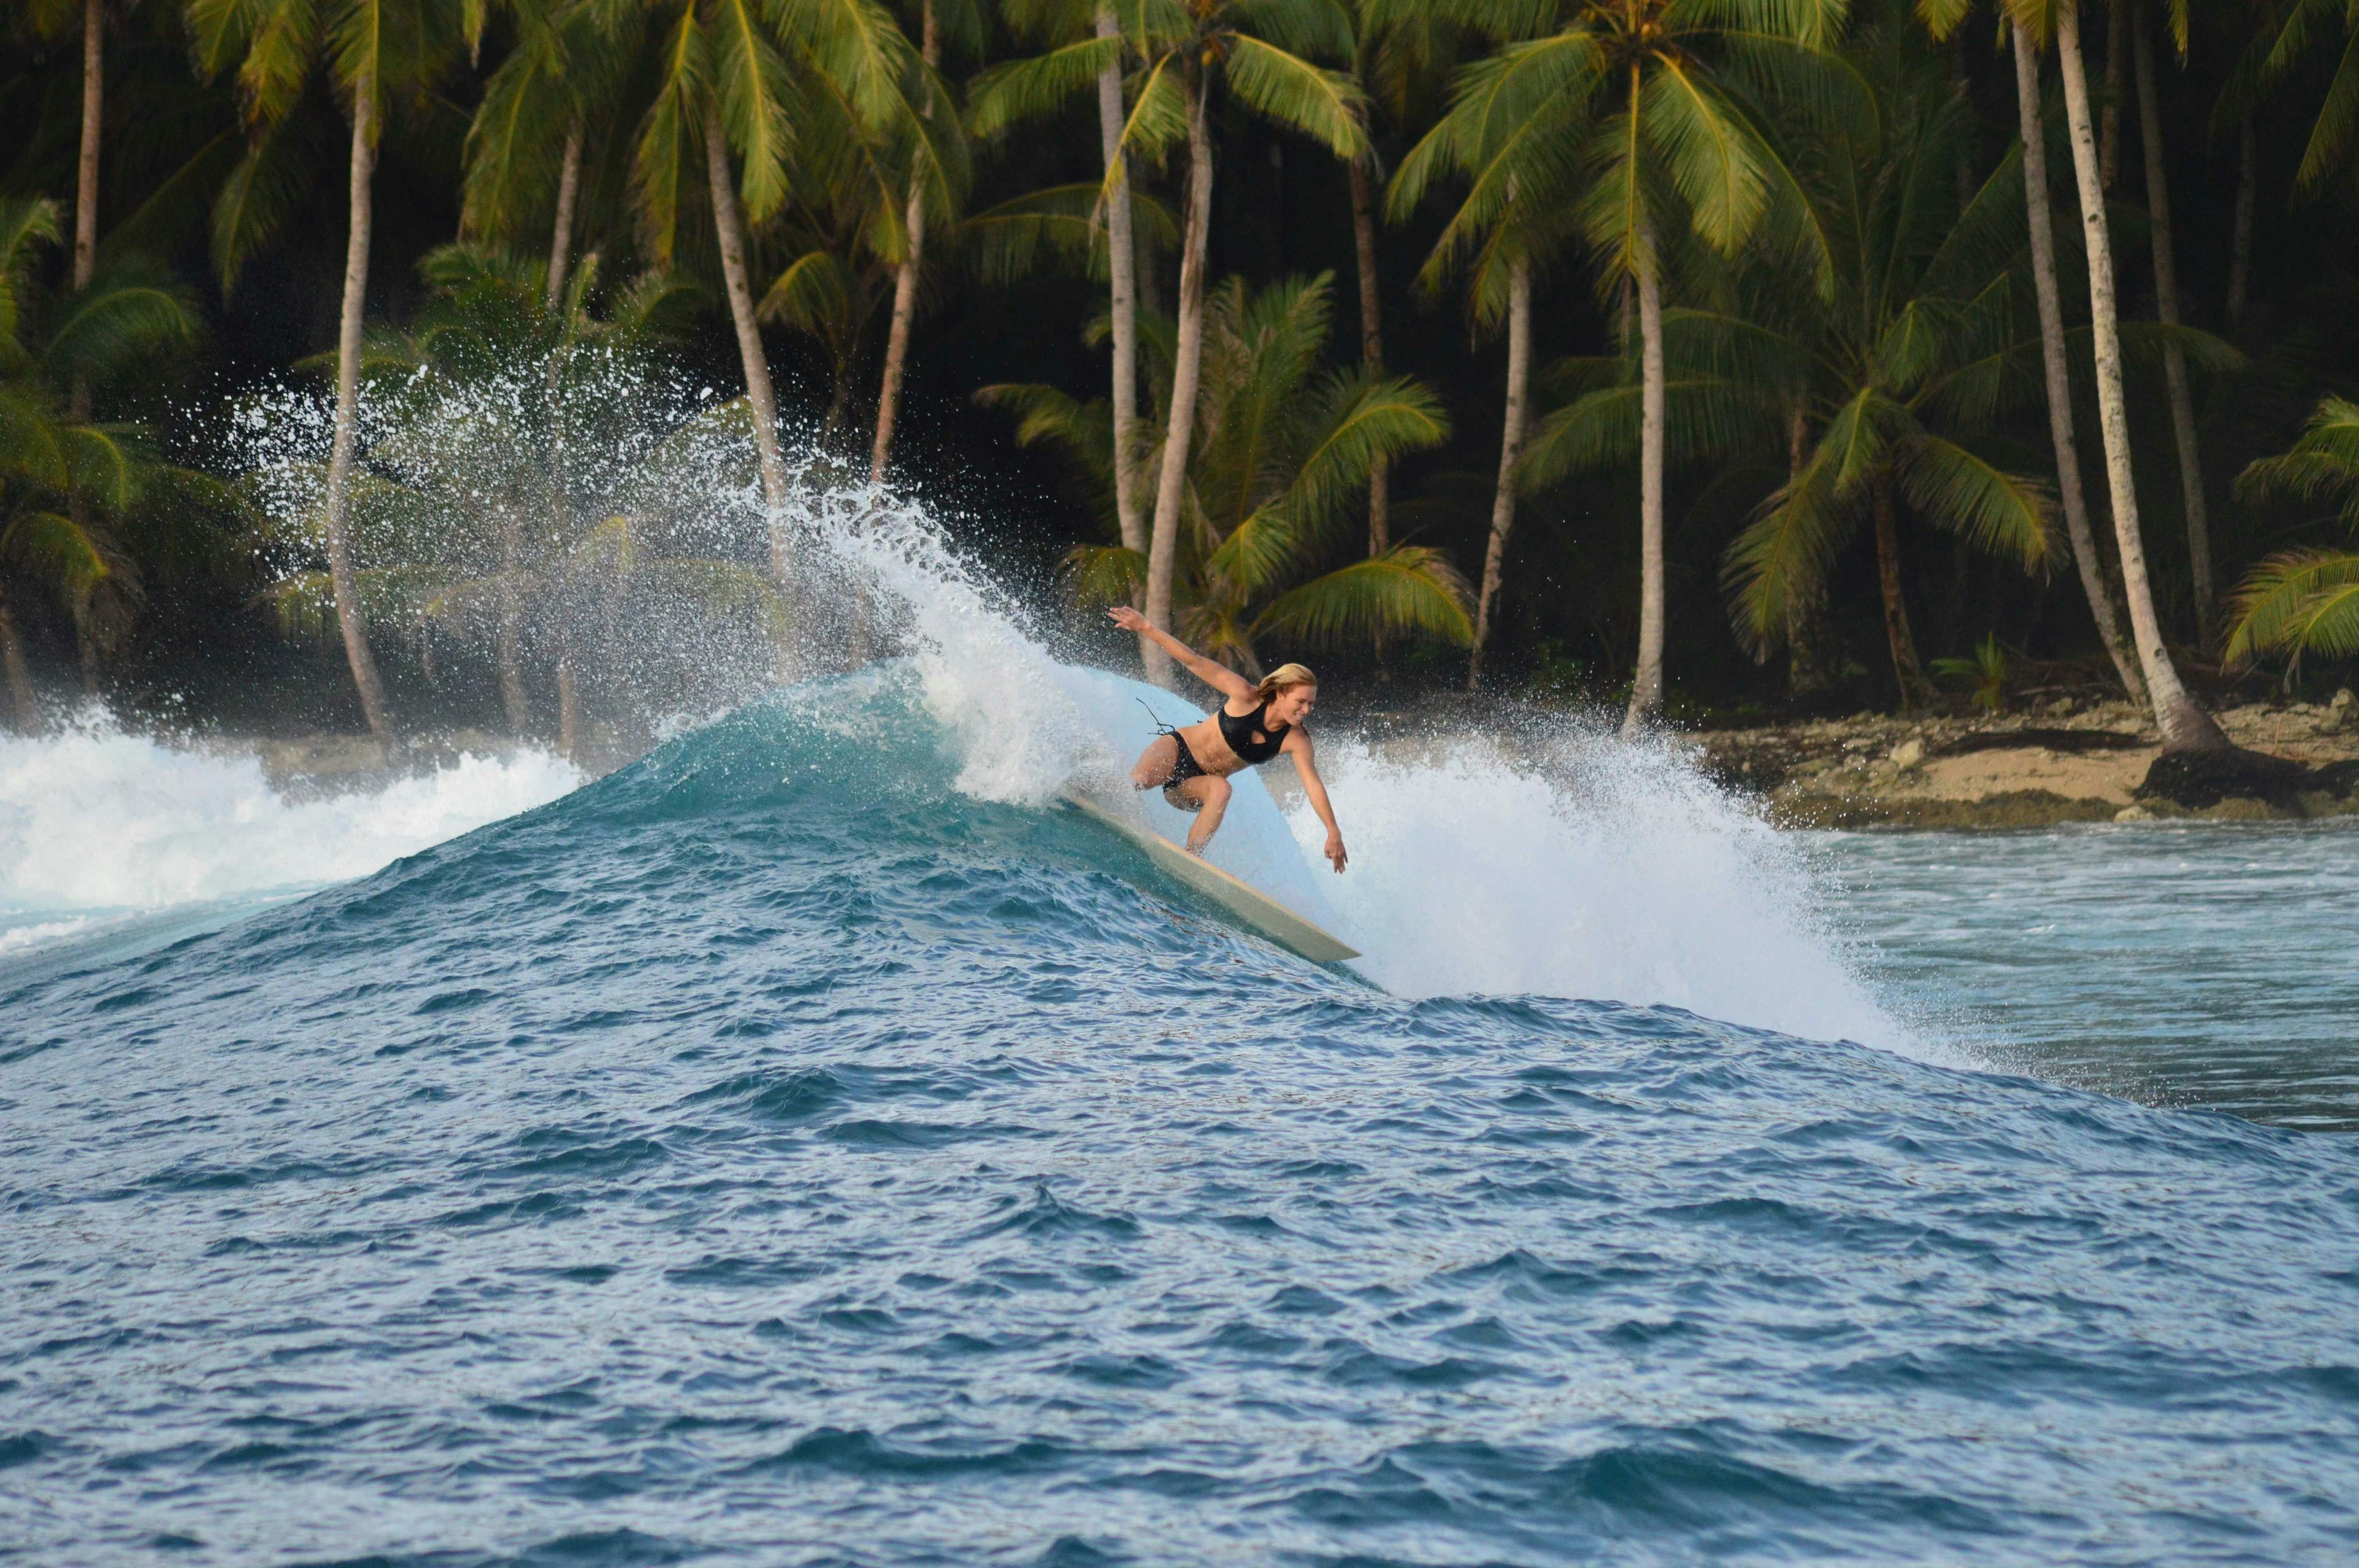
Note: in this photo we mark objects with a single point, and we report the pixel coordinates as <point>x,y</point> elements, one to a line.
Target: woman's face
<point>1293,705</point>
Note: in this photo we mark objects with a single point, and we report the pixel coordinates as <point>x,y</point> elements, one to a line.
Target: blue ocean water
<point>798,1148</point>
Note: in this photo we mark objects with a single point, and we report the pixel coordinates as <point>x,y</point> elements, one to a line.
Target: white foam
<point>1577,866</point>
<point>1012,711</point>
<point>1574,866</point>
<point>96,821</point>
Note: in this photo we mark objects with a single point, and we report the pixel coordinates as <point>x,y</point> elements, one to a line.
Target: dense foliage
<point>1709,352</point>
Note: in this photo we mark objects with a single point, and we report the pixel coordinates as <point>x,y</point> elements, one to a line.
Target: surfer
<point>1253,723</point>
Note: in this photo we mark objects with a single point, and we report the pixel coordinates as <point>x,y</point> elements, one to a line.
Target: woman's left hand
<point>1335,855</point>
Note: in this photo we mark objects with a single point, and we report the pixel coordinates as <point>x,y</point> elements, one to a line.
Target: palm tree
<point>530,137</point>
<point>828,79</point>
<point>1403,51</point>
<point>2058,386</point>
<point>1609,111</point>
<point>1004,96</point>
<point>1893,370</point>
<point>2185,726</point>
<point>928,182</point>
<point>1256,52</point>
<point>2166,297</point>
<point>375,49</point>
<point>64,478</point>
<point>479,528</point>
<point>1284,451</point>
<point>2301,602</point>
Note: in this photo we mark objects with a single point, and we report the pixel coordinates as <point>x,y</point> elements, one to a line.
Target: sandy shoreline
<point>2064,763</point>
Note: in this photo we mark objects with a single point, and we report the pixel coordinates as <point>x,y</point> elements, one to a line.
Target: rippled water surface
<point>778,1152</point>
<point>2203,964</point>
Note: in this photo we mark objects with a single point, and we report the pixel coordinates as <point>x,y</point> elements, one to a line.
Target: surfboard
<point>1240,898</point>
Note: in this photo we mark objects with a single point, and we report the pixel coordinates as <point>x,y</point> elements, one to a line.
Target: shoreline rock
<point>2063,763</point>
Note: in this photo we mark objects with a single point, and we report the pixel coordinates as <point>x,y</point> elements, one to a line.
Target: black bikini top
<point>1239,734</point>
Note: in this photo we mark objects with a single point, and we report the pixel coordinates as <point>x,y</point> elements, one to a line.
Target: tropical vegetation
<point>1759,351</point>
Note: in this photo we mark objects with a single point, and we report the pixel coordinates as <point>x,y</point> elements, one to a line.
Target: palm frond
<point>1097,575</point>
<point>2299,601</point>
<point>1713,156</point>
<point>1035,88</point>
<point>1325,105</point>
<point>1999,513</point>
<point>1407,593</point>
<point>1786,548</point>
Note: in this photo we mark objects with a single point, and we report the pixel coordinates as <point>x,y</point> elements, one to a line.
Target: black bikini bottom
<point>1184,766</point>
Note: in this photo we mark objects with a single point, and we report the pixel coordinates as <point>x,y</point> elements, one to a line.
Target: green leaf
<point>2299,601</point>
<point>1999,513</point>
<point>1034,88</point>
<point>1097,575</point>
<point>1325,105</point>
<point>1407,593</point>
<point>1712,154</point>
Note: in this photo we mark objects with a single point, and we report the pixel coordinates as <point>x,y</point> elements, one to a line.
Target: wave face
<point>811,1145</point>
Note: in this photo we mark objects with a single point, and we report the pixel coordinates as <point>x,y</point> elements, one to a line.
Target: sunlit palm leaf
<point>1325,105</point>
<point>1407,592</point>
<point>1103,574</point>
<point>1035,88</point>
<point>1712,154</point>
<point>58,548</point>
<point>2001,512</point>
<point>2301,601</point>
<point>1785,548</point>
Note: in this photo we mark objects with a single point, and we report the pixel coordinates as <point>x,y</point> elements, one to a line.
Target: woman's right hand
<point>1129,620</point>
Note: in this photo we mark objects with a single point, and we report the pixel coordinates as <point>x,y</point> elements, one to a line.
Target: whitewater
<point>810,1144</point>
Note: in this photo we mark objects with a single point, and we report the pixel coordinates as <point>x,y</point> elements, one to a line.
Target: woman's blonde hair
<point>1281,678</point>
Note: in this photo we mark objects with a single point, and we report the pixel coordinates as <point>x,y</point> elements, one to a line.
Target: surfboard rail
<point>1239,897</point>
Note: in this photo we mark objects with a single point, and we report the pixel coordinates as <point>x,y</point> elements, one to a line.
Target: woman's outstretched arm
<point>1213,673</point>
<point>1297,746</point>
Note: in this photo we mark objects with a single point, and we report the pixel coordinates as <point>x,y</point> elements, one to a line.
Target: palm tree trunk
<point>1906,668</point>
<point>905,279</point>
<point>1187,369</point>
<point>568,191</point>
<point>1121,263</point>
<point>1962,171</point>
<point>2059,386</point>
<point>510,640</point>
<point>2185,727</point>
<point>1372,338</point>
<point>2117,46</point>
<point>2239,237</point>
<point>2174,358</point>
<point>1511,453</point>
<point>569,706</point>
<point>18,669</point>
<point>85,267</point>
<point>1647,685</point>
<point>1809,664</point>
<point>341,575</point>
<point>729,222</point>
<point>85,641</point>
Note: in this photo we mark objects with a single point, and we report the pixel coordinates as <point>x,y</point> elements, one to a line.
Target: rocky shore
<point>2068,762</point>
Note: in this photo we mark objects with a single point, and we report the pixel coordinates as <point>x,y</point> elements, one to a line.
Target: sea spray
<point>96,820</point>
<point>1554,860</point>
<point>1562,862</point>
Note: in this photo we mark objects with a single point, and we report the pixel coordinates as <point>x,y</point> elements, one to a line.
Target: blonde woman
<point>1253,724</point>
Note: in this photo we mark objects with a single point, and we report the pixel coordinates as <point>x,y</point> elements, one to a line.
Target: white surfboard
<point>1242,899</point>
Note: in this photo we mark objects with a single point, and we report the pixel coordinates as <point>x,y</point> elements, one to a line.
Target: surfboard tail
<point>1248,904</point>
